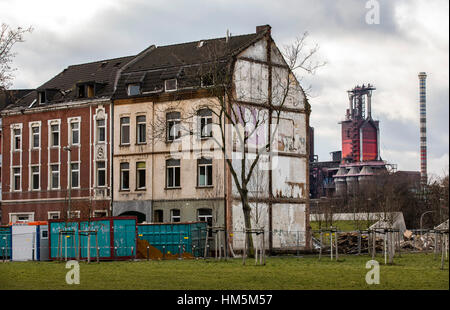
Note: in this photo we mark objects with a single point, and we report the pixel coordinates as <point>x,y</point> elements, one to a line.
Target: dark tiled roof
<point>186,62</point>
<point>10,96</point>
<point>63,87</point>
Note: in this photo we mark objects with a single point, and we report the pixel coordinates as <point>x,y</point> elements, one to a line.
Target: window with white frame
<point>73,214</point>
<point>54,134</point>
<point>204,172</point>
<point>124,130</point>
<point>170,85</point>
<point>173,125</point>
<point>21,217</point>
<point>75,132</point>
<point>101,130</point>
<point>17,139</point>
<point>101,174</point>
<point>75,175</point>
<point>100,213</point>
<point>140,175</point>
<point>53,215</point>
<point>175,216</point>
<point>124,176</point>
<point>134,89</point>
<point>140,129</point>
<point>17,176</point>
<point>205,215</point>
<point>35,136</point>
<point>54,176</point>
<point>205,123</point>
<point>35,178</point>
<point>172,173</point>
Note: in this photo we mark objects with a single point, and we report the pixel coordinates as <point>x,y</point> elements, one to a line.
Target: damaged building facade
<point>164,124</point>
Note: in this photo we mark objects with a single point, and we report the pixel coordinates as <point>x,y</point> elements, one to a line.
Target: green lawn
<point>343,225</point>
<point>411,271</point>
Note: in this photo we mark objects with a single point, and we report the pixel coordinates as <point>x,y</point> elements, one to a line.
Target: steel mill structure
<point>423,128</point>
<point>360,143</point>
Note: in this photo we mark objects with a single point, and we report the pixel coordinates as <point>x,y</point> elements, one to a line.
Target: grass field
<point>411,271</point>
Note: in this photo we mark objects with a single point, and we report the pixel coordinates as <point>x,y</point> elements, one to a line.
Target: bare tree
<point>8,38</point>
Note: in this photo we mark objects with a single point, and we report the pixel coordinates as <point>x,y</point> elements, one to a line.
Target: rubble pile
<point>417,242</point>
<point>348,243</point>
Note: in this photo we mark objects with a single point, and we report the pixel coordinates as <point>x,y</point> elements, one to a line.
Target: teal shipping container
<point>114,237</point>
<point>175,238</point>
<point>5,242</point>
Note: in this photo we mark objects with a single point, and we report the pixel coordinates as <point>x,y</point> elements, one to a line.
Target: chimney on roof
<point>263,28</point>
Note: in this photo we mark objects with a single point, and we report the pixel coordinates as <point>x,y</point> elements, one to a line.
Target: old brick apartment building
<point>67,117</point>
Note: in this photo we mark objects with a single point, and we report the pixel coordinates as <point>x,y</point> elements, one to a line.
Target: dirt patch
<point>146,250</point>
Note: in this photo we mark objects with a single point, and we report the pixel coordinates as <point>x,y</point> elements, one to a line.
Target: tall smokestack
<point>423,128</point>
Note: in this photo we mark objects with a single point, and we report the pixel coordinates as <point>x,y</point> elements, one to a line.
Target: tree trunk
<point>248,225</point>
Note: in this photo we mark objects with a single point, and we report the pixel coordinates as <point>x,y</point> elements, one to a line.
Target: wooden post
<point>96,245</point>
<point>88,248</point>
<point>206,243</point>
<point>435,244</point>
<point>245,248</point>
<point>321,244</point>
<point>148,252</point>
<point>264,248</point>
<point>256,249</point>
<point>442,253</point>
<point>384,247</point>
<point>331,244</point>
<point>337,247</point>
<point>359,242</point>
<point>374,241</point>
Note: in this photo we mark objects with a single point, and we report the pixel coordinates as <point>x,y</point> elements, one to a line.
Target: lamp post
<point>69,150</point>
<point>421,218</point>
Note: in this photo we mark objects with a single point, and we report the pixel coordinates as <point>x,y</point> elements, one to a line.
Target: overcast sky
<point>412,36</point>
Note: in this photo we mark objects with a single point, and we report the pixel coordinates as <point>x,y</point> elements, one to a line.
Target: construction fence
<point>210,242</point>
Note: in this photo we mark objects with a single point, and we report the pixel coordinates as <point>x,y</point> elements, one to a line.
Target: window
<point>17,179</point>
<point>75,133</point>
<point>54,176</point>
<point>173,173</point>
<point>101,130</point>
<point>41,97</point>
<point>173,125</point>
<point>204,172</point>
<point>134,89</point>
<point>73,214</point>
<point>140,129</point>
<point>101,174</point>
<point>35,140</point>
<point>158,216</point>
<point>21,217</point>
<point>205,123</point>
<point>75,175</point>
<point>17,134</point>
<point>53,215</point>
<point>207,80</point>
<point>175,216</point>
<point>54,135</point>
<point>35,177</point>
<point>125,130</point>
<point>124,176</point>
<point>85,91</point>
<point>205,215</point>
<point>100,213</point>
<point>140,175</point>
<point>170,85</point>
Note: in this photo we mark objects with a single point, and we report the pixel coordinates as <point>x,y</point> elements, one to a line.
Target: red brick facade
<point>39,156</point>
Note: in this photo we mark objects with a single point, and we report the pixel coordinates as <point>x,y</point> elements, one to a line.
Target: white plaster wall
<point>259,219</point>
<point>289,177</point>
<point>289,225</point>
